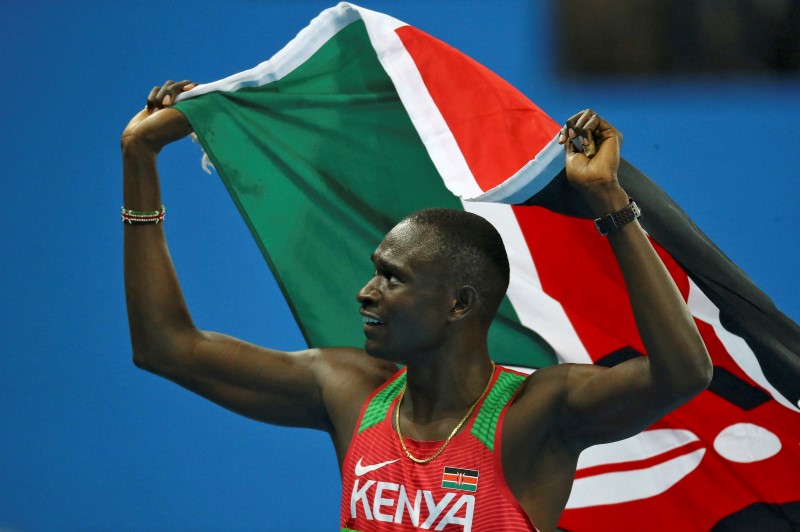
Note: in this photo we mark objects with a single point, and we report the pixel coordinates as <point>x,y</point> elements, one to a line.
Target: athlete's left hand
<point>158,124</point>
<point>595,177</point>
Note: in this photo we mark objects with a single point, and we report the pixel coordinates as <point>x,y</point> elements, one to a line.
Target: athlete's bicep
<point>608,404</point>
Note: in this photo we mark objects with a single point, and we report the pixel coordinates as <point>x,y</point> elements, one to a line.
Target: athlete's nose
<point>369,292</point>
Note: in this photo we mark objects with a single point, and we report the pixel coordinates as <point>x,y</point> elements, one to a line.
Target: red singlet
<point>462,489</point>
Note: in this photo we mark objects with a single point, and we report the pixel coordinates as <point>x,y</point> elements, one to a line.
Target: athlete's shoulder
<point>347,375</point>
<point>540,398</point>
<point>556,379</point>
<point>354,363</point>
<point>538,410</point>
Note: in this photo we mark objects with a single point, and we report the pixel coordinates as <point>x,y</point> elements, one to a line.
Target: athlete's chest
<point>461,487</point>
<point>382,485</point>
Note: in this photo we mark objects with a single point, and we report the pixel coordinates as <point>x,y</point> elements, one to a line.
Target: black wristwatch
<point>611,223</point>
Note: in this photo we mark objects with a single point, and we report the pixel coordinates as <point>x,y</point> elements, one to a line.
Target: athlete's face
<point>405,305</point>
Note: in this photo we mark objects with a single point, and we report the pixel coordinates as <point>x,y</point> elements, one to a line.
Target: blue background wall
<point>89,441</point>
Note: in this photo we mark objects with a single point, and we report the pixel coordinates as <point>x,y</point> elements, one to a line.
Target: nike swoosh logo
<point>363,470</point>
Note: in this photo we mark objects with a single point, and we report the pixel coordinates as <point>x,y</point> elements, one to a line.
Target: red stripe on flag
<point>496,127</point>
<point>459,478</point>
<point>719,355</point>
<point>577,268</point>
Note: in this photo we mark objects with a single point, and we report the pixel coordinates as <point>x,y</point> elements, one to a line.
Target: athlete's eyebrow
<point>382,263</point>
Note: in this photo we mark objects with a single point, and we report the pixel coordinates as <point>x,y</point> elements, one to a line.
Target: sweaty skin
<point>432,327</point>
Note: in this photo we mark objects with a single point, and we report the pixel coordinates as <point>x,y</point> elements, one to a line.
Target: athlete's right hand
<point>158,124</point>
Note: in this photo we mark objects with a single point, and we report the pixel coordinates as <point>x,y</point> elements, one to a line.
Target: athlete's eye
<point>389,275</point>
<point>392,278</point>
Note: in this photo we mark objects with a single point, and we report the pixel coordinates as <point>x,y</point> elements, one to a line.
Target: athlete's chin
<point>377,350</point>
<point>374,351</point>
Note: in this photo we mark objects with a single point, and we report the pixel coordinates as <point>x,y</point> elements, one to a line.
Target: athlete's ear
<point>465,300</point>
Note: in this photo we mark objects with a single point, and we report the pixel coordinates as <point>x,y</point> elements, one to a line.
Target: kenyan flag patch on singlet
<point>460,479</point>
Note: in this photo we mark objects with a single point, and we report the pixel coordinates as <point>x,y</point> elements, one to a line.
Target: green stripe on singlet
<point>379,406</point>
<point>486,421</point>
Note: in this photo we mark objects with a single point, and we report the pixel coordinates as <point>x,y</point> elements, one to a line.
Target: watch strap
<point>611,223</point>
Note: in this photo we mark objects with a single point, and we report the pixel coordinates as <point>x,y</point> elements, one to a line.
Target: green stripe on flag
<point>321,164</point>
<point>457,486</point>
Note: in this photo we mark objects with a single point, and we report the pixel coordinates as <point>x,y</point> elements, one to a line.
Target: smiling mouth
<point>371,321</point>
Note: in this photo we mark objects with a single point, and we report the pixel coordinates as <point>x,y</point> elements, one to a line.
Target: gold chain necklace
<point>455,430</point>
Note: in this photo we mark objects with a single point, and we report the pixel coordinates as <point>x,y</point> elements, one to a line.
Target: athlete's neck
<point>441,392</point>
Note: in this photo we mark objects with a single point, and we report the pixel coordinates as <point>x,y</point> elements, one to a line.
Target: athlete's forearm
<point>679,362</point>
<point>678,365</point>
<point>157,314</point>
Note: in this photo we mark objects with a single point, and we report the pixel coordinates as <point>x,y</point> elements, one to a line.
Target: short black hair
<point>473,251</point>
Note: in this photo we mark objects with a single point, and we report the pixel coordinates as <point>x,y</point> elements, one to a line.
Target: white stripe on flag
<point>430,124</point>
<point>703,308</point>
<point>295,53</point>
<point>530,179</point>
<point>535,309</point>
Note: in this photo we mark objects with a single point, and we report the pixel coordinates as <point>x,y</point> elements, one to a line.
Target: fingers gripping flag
<point>362,119</point>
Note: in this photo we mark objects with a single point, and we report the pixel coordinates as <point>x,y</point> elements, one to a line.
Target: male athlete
<point>451,442</point>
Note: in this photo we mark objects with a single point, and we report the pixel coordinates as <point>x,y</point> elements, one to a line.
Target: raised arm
<point>264,384</point>
<point>603,404</point>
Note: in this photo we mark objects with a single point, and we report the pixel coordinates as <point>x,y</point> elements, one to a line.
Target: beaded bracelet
<point>143,217</point>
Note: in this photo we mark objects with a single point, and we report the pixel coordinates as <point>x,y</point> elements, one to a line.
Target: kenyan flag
<point>362,119</point>
<point>460,479</point>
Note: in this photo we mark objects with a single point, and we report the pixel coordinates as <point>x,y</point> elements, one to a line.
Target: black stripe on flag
<point>457,470</point>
